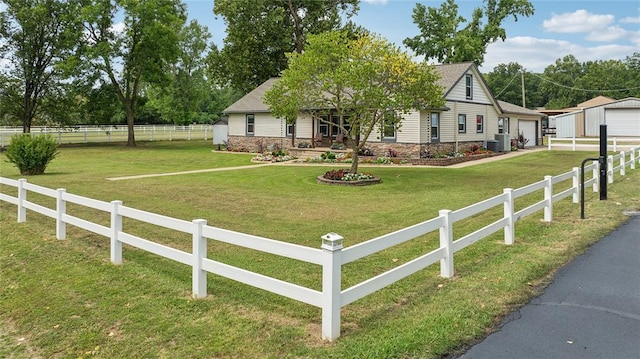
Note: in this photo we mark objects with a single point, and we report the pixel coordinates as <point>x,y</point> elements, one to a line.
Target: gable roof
<point>254,100</point>
<point>518,110</point>
<point>450,74</point>
<point>596,101</point>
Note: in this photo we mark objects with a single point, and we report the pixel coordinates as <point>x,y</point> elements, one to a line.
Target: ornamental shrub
<point>32,154</point>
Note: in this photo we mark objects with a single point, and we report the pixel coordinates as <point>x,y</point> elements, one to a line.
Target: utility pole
<point>524,103</point>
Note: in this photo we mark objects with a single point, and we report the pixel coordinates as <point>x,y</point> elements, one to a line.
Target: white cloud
<point>630,20</point>
<point>536,54</point>
<point>609,34</point>
<point>577,22</point>
<point>375,2</point>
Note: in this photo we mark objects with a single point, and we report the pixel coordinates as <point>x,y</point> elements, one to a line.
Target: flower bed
<point>272,158</point>
<point>447,161</point>
<point>342,177</point>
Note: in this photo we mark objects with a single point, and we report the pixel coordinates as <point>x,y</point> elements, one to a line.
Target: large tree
<point>444,37</point>
<point>183,98</point>
<point>260,32</point>
<point>367,81</point>
<point>561,83</point>
<point>137,51</point>
<point>40,41</point>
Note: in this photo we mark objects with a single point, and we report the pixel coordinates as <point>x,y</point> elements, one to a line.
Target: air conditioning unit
<point>504,142</point>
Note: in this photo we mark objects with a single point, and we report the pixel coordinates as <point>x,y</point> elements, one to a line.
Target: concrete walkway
<point>591,310</point>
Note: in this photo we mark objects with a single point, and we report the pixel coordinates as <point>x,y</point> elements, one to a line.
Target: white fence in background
<point>113,133</point>
<point>614,144</point>
<point>331,256</point>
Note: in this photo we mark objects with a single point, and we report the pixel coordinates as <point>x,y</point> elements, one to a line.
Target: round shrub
<point>32,154</point>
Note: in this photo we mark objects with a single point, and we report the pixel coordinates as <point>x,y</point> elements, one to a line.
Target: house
<point>471,116</point>
<point>622,118</point>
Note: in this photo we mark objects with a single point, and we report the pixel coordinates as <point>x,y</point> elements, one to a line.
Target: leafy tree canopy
<point>444,37</point>
<point>138,53</point>
<point>260,32</point>
<point>362,79</point>
<point>40,41</point>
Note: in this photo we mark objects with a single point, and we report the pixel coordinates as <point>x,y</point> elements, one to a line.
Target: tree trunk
<point>355,158</point>
<point>131,139</point>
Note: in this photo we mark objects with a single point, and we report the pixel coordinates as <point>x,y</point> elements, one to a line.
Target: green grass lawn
<point>64,299</point>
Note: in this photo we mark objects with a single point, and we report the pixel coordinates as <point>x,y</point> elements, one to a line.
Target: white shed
<point>220,131</point>
<point>623,118</point>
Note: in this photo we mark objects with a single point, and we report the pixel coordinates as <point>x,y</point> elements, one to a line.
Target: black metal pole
<point>603,162</point>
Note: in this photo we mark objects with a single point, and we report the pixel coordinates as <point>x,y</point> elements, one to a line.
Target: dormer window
<point>469,86</point>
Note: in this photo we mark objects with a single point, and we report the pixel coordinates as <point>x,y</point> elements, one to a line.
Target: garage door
<point>528,129</point>
<point>623,122</point>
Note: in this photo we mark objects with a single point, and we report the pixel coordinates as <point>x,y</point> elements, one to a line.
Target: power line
<point>580,89</point>
<point>507,86</point>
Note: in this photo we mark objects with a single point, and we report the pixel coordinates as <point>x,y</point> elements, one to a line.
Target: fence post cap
<point>332,241</point>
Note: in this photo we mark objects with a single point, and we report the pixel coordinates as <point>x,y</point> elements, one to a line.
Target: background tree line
<point>135,62</point>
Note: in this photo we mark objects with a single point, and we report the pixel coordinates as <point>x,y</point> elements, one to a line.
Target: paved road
<point>591,310</point>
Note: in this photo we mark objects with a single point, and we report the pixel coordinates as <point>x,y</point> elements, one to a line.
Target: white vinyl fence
<point>102,134</point>
<point>614,144</point>
<point>331,256</point>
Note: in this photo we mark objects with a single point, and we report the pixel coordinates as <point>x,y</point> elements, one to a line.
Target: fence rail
<point>331,256</point>
<point>86,134</point>
<point>614,144</point>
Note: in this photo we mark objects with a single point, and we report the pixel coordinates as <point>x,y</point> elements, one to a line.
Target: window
<point>323,127</point>
<point>389,124</point>
<point>435,126</point>
<point>469,87</point>
<point>290,129</point>
<point>479,124</point>
<point>345,123</point>
<point>503,125</point>
<point>251,124</point>
<point>462,123</point>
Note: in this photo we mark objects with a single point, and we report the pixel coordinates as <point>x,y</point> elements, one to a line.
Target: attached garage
<point>622,122</point>
<point>529,129</point>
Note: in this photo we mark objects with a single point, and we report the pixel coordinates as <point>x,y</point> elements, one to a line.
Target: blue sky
<point>587,29</point>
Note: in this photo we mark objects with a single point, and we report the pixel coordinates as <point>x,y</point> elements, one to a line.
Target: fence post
<point>22,197</point>
<point>623,163</point>
<point>61,210</point>
<point>576,184</point>
<point>596,175</point>
<point>573,143</point>
<point>331,285</point>
<point>633,159</point>
<point>446,242</point>
<point>116,227</point>
<point>199,276</point>
<point>509,229</point>
<point>548,197</point>
<point>615,144</point>
<point>610,169</point>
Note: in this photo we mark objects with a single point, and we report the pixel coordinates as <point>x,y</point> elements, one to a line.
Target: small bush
<point>32,154</point>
